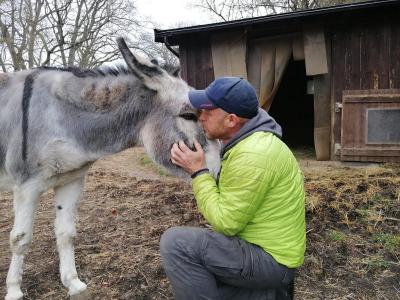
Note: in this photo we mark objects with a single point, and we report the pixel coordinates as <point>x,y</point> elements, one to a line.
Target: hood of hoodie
<point>261,122</point>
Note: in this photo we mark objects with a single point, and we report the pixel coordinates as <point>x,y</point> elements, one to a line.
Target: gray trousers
<point>203,264</point>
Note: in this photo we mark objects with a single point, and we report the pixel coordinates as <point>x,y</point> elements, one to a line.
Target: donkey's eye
<point>189,117</point>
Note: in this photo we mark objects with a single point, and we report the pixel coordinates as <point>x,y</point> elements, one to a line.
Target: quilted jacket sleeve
<point>231,205</point>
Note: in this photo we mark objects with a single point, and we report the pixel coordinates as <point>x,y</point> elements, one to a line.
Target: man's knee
<point>179,240</point>
<point>171,239</point>
<point>168,239</point>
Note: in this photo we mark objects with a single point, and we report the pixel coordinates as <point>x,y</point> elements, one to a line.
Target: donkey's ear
<point>145,70</point>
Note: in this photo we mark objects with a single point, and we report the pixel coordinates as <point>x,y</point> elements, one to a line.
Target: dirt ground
<point>353,240</point>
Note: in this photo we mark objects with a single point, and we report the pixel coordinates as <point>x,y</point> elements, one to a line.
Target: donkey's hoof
<point>85,295</point>
<point>76,287</point>
<point>14,293</point>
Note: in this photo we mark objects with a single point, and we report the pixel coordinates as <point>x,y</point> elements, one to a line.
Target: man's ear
<point>231,120</point>
<point>234,120</point>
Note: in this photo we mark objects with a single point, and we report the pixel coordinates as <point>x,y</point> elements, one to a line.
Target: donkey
<point>54,123</point>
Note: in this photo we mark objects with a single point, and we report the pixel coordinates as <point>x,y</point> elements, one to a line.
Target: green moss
<point>391,242</point>
<point>337,236</point>
<point>375,263</point>
<point>145,160</point>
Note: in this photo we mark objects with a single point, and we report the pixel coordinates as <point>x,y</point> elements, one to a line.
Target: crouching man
<point>255,207</point>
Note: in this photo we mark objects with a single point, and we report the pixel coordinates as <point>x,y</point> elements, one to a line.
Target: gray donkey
<point>54,123</point>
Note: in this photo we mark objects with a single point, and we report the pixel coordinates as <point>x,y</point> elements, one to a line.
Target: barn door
<point>370,126</point>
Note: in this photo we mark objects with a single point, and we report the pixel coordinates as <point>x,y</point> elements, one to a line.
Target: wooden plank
<point>370,152</point>
<point>353,61</point>
<point>209,67</point>
<point>198,63</point>
<point>353,126</point>
<point>191,64</point>
<point>372,96</point>
<point>371,99</point>
<point>183,61</point>
<point>338,85</point>
<point>384,57</point>
<point>200,82</point>
<point>315,51</point>
<point>394,66</point>
<point>387,159</point>
<point>380,92</point>
<point>322,113</point>
<point>202,66</point>
<point>374,58</point>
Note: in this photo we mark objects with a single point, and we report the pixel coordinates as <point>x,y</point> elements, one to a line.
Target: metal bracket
<point>338,107</point>
<point>337,148</point>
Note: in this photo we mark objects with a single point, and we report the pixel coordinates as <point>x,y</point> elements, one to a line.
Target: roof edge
<point>163,35</point>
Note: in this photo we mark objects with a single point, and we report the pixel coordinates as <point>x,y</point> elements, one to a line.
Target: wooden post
<point>317,55</point>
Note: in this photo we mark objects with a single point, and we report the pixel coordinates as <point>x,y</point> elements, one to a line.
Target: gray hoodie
<point>261,122</point>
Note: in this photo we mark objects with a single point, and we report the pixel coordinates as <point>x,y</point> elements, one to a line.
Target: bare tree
<point>19,26</point>
<point>63,32</point>
<point>157,51</point>
<point>239,9</point>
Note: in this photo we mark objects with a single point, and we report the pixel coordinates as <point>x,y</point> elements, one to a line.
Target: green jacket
<point>259,196</point>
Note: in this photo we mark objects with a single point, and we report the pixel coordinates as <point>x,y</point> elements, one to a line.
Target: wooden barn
<point>329,76</point>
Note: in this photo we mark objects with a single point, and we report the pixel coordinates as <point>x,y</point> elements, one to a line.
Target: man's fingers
<point>197,146</point>
<point>187,159</point>
<point>175,151</point>
<point>183,146</point>
<point>174,161</point>
<point>175,155</point>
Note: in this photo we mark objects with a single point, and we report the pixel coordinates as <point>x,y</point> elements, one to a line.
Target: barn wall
<point>365,51</point>
<point>365,56</point>
<point>196,62</point>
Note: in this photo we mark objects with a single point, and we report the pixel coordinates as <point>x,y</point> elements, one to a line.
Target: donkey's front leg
<point>66,198</point>
<point>25,203</point>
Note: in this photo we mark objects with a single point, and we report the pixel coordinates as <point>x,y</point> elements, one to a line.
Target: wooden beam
<point>315,51</point>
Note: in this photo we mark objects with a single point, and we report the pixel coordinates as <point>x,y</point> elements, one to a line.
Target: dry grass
<point>353,249</point>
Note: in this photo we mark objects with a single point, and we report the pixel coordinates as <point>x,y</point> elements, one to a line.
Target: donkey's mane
<point>116,70</point>
<point>85,73</point>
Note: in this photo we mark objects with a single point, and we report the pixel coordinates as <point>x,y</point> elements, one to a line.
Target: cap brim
<point>199,99</point>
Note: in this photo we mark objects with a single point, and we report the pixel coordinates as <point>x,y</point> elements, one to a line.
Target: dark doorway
<point>293,108</point>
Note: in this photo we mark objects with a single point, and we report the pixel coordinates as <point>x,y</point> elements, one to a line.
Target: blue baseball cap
<point>234,95</point>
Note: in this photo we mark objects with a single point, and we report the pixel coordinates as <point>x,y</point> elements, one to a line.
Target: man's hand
<point>190,161</point>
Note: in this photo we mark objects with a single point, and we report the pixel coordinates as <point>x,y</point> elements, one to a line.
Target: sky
<point>172,13</point>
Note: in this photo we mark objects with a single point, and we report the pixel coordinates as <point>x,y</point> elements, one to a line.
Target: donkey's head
<point>172,118</point>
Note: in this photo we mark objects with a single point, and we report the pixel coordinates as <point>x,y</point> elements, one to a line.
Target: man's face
<point>213,122</point>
